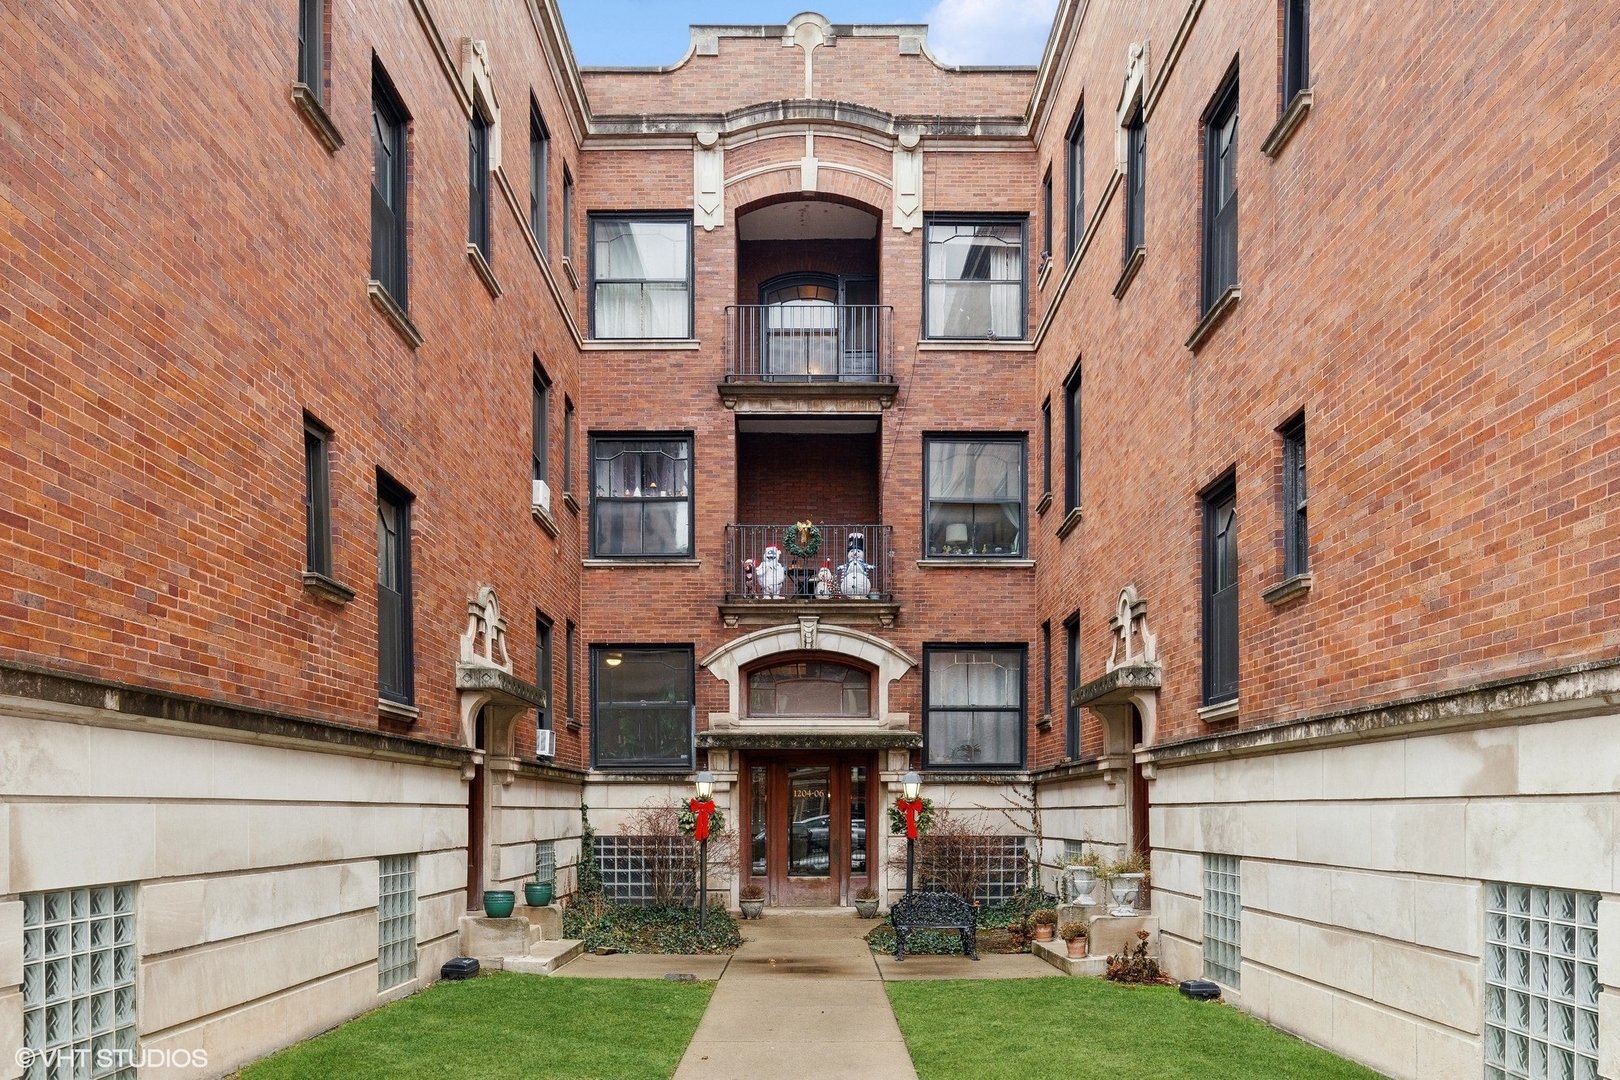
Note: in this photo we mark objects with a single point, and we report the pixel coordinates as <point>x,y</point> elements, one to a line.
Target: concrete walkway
<point>801,1000</point>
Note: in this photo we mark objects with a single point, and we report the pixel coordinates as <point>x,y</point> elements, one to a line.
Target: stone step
<point>544,957</point>
<point>1056,953</point>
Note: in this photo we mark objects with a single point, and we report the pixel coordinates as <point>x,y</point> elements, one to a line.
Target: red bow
<point>912,808</point>
<point>702,808</point>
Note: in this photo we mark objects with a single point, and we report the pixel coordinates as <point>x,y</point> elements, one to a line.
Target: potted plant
<point>1082,874</point>
<point>752,900</point>
<point>1129,875</point>
<point>498,903</point>
<point>537,893</point>
<point>866,902</point>
<point>1075,935</point>
<point>1045,920</point>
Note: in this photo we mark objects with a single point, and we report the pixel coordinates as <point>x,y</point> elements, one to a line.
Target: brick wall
<point>828,479</point>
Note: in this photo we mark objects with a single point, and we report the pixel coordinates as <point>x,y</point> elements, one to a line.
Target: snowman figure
<point>855,575</point>
<point>824,581</point>
<point>772,573</point>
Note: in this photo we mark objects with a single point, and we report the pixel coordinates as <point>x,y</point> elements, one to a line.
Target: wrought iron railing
<point>810,343</point>
<point>794,571</point>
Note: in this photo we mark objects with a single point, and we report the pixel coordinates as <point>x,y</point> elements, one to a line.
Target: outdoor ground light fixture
<point>911,805</point>
<point>702,807</point>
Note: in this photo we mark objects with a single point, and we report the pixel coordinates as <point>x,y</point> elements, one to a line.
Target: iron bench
<point>934,911</point>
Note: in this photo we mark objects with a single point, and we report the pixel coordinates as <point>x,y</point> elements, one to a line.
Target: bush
<point>632,928</point>
<point>1135,965</point>
<point>968,857</point>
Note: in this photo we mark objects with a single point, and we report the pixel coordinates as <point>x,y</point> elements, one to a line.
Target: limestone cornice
<point>818,111</point>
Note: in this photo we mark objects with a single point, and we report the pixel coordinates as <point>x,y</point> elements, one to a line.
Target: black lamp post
<point>911,789</point>
<point>703,806</point>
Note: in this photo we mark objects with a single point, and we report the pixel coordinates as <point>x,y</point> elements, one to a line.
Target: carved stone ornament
<point>708,181</point>
<point>1131,94</point>
<point>485,638</point>
<point>1130,628</point>
<point>478,79</point>
<point>908,181</point>
<point>807,630</point>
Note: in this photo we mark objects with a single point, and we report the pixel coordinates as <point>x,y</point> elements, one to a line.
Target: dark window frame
<point>480,228</point>
<point>1295,492</point>
<point>1046,448</point>
<point>539,177</point>
<point>1218,260</point>
<point>544,665</point>
<point>1071,681</point>
<point>1073,434</point>
<point>317,497</point>
<point>1022,220</point>
<point>1220,610</point>
<point>312,47</point>
<point>390,209</point>
<point>598,437</point>
<point>683,217</point>
<point>569,423</point>
<point>648,765</point>
<point>1019,437</point>
<point>1046,670</point>
<point>1046,218</point>
<point>1135,181</point>
<point>567,213</point>
<point>540,425</point>
<point>570,672</point>
<point>1296,49</point>
<point>404,691</point>
<point>1075,195</point>
<point>1021,649</point>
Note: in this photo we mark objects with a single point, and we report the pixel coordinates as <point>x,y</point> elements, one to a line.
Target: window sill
<point>1044,723</point>
<point>603,562</point>
<point>975,345</point>
<point>1070,521</point>
<point>395,314</point>
<point>1045,504</point>
<point>485,274</point>
<point>1293,116</point>
<point>327,588</point>
<point>572,723</point>
<point>1046,272</point>
<point>545,520</point>
<point>568,268</point>
<point>1217,313</point>
<point>1128,275</point>
<point>409,713</point>
<point>1285,591</point>
<point>570,502</point>
<point>983,562</point>
<point>1215,714</point>
<point>640,344</point>
<point>315,114</point>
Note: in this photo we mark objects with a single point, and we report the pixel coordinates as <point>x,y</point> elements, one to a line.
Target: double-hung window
<point>643,496</point>
<point>388,122</point>
<point>975,277</point>
<point>568,214</point>
<point>1135,183</point>
<point>540,447</point>
<point>1296,536</point>
<point>1075,201</point>
<point>311,42</point>
<point>1296,48</point>
<point>1046,670</point>
<point>641,276</point>
<point>570,680</point>
<point>395,654</point>
<point>317,499</point>
<point>643,705</point>
<point>1071,443</point>
<point>1220,593</point>
<point>974,699</point>
<point>1071,683</point>
<point>1220,196</point>
<point>568,445</point>
<point>478,230</point>
<point>1046,453</point>
<point>542,670</point>
<point>1046,216</point>
<point>975,502</point>
<point>539,189</point>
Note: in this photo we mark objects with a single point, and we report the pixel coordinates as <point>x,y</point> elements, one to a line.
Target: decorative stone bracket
<point>1132,679</point>
<point>485,683</point>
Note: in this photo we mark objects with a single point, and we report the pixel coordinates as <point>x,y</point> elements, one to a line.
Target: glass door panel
<point>756,787</point>
<point>809,822</point>
<point>857,820</point>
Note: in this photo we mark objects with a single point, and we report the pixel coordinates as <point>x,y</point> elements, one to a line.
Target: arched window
<point>805,688</point>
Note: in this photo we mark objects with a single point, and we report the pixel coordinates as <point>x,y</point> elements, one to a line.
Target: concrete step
<point>1056,953</point>
<point>544,957</point>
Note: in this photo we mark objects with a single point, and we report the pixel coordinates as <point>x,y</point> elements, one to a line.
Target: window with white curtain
<point>643,496</point>
<point>975,278</point>
<point>641,277</point>
<point>975,497</point>
<point>974,699</point>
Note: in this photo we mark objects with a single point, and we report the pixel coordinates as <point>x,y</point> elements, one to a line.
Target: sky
<point>649,33</point>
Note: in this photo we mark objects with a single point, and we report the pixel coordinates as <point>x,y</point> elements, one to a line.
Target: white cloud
<point>990,31</point>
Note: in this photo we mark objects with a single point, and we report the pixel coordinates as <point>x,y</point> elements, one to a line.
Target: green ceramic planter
<point>537,894</point>
<point>498,903</point>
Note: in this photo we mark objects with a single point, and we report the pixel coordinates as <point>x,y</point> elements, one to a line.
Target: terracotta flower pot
<point>1077,947</point>
<point>1043,931</point>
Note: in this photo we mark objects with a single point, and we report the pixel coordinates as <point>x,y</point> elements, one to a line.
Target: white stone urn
<point>1082,886</point>
<point>1126,888</point>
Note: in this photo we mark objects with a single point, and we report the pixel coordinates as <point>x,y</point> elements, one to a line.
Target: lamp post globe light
<point>703,806</point>
<point>911,806</point>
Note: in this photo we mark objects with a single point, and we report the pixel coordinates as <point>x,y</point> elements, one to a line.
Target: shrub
<point>967,856</point>
<point>1074,931</point>
<point>1134,965</point>
<point>634,928</point>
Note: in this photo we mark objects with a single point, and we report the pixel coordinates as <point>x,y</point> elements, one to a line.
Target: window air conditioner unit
<point>542,495</point>
<point>545,742</point>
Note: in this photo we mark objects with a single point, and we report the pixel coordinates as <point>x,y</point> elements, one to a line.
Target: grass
<point>502,1025</point>
<point>1085,1029</point>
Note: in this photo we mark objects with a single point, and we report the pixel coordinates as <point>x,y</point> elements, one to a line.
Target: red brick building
<point>306,294</point>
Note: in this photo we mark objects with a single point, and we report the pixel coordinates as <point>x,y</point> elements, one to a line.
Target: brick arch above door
<point>810,635</point>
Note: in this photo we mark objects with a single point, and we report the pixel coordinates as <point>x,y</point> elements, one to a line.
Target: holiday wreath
<point>801,540</point>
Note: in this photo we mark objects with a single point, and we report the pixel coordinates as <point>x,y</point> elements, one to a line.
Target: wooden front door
<point>806,826</point>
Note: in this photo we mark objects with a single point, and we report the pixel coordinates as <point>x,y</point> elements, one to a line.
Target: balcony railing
<point>810,343</point>
<point>750,575</point>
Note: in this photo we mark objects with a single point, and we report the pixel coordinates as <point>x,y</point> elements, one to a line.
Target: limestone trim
<point>1288,123</point>
<point>1128,275</point>
<point>726,663</point>
<point>1288,590</point>
<point>383,301</point>
<point>327,588</point>
<point>1217,313</point>
<point>1070,522</point>
<point>486,274</point>
<point>319,120</point>
<point>962,562</point>
<point>1586,689</point>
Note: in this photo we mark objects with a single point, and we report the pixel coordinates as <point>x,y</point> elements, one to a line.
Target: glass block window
<point>1541,984</point>
<point>396,921</point>
<point>78,983</point>
<point>545,860</point>
<point>647,870</point>
<point>1223,920</point>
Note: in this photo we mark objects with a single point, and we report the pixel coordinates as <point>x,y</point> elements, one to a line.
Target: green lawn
<point>501,1025</point>
<point>1087,1029</point>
